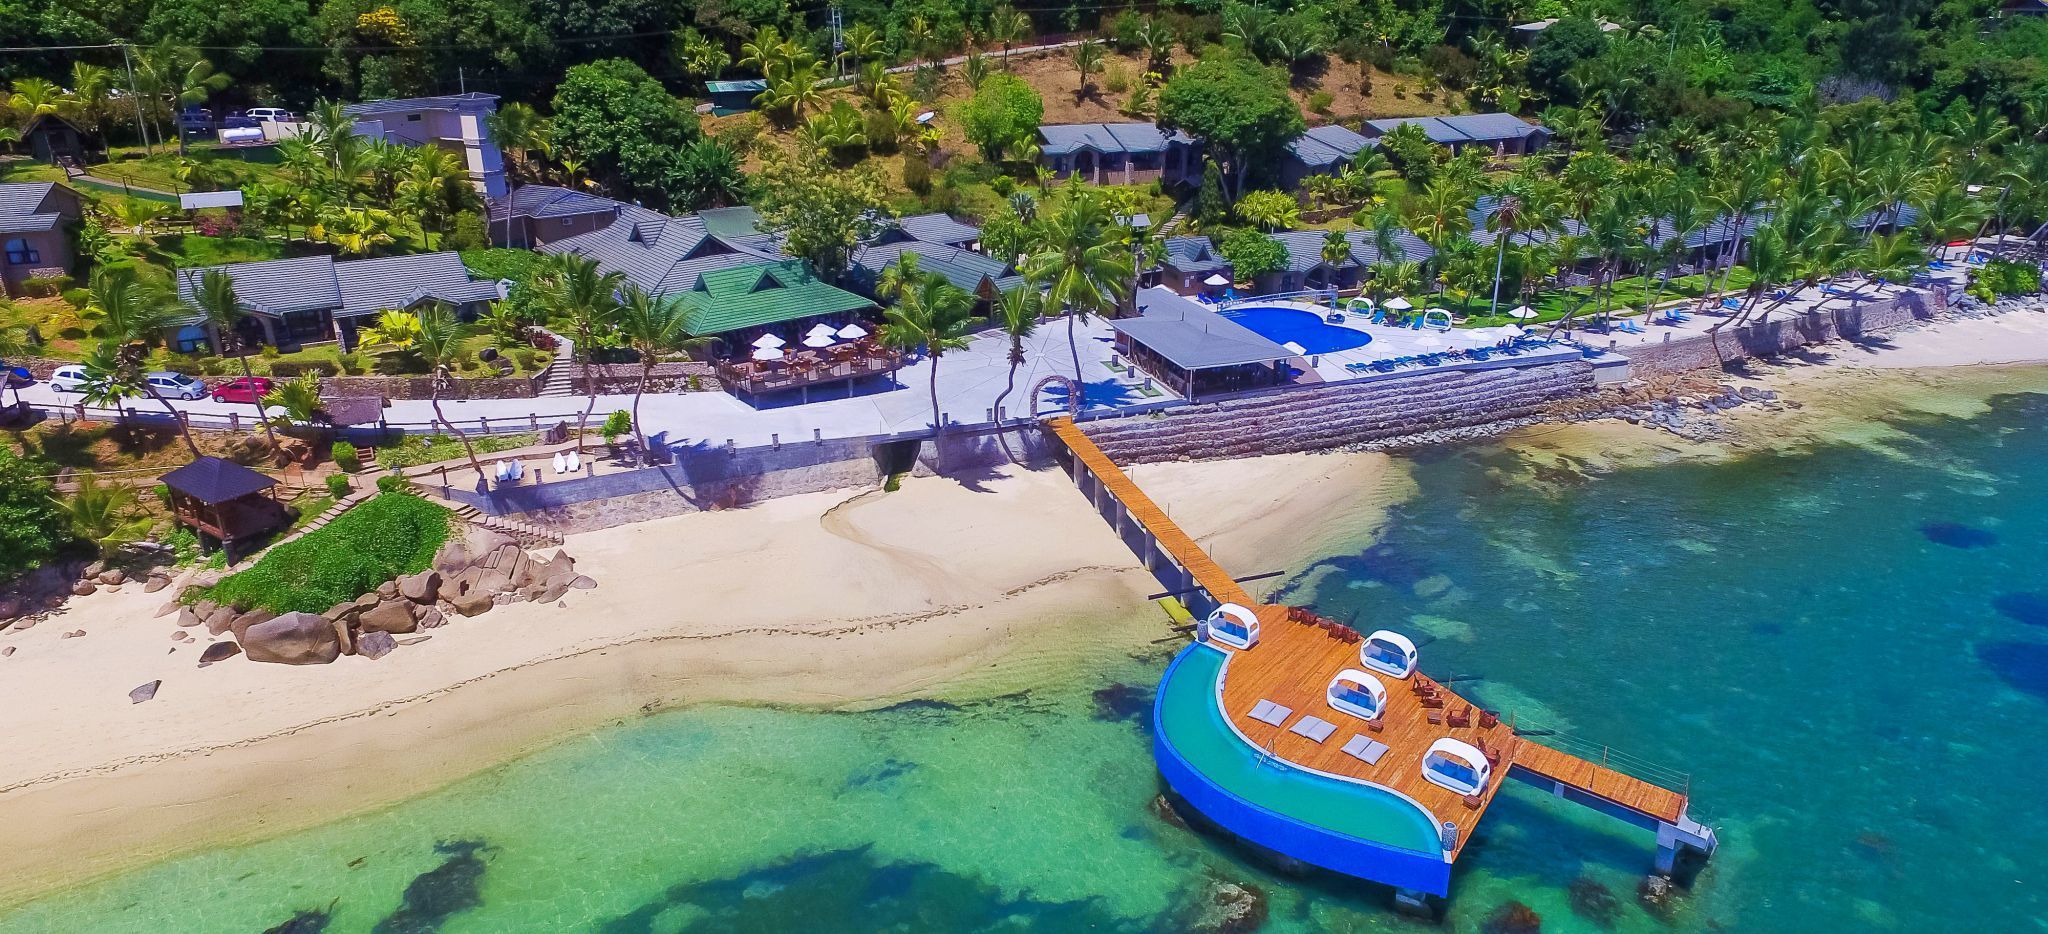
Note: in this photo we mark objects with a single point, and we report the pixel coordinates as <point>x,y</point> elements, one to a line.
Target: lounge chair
<point>1436,711</point>
<point>575,462</point>
<point>1462,718</point>
<point>1732,304</point>
<point>1474,801</point>
<point>1270,713</point>
<point>1315,729</point>
<point>561,462</point>
<point>1365,750</point>
<point>1488,719</point>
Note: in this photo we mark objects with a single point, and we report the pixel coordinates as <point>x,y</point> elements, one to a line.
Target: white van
<point>271,115</point>
<point>68,378</point>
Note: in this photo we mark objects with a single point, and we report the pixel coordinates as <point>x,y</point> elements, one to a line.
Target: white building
<point>455,122</point>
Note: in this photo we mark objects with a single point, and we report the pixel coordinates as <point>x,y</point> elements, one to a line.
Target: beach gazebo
<point>226,504</point>
<point>1358,694</point>
<point>1231,625</point>
<point>1457,765</point>
<point>1388,652</point>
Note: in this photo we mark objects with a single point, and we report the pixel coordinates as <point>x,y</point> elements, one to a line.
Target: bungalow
<point>731,97</point>
<point>459,123</point>
<point>939,229</point>
<point>1118,153</point>
<point>1307,268</point>
<point>1194,350</point>
<point>34,240</point>
<point>666,255</point>
<point>1505,134</point>
<point>55,140</point>
<point>1189,263</point>
<point>1322,150</point>
<point>986,277</point>
<point>741,302</point>
<point>535,215</point>
<point>314,298</point>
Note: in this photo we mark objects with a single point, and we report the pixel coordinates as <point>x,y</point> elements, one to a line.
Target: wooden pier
<point>1294,662</point>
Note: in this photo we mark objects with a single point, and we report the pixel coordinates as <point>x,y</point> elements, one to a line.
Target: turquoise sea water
<point>1846,647</point>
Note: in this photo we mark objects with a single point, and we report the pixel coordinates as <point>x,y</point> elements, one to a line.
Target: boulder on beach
<point>145,692</point>
<point>219,652</point>
<point>421,587</point>
<point>375,645</point>
<point>472,603</point>
<point>431,618</point>
<point>292,639</point>
<point>83,588</point>
<point>242,621</point>
<point>394,615</point>
<point>158,580</point>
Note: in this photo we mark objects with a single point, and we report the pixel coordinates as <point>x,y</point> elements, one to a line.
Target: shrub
<point>391,483</point>
<point>1117,80</point>
<point>616,424</point>
<point>346,458</point>
<point>337,485</point>
<point>78,298</point>
<point>295,368</point>
<point>917,174</point>
<point>45,286</point>
<point>2006,277</point>
<point>268,352</point>
<point>467,233</point>
<point>33,528</point>
<point>1320,102</point>
<point>387,537</point>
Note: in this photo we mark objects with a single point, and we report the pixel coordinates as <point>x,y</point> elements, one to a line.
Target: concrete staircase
<point>1172,224</point>
<point>340,506</point>
<point>527,534</point>
<point>559,381</point>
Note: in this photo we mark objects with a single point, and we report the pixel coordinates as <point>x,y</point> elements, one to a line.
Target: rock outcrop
<point>292,639</point>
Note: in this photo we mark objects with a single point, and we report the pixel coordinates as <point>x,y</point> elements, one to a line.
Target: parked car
<point>15,377</point>
<point>195,118</point>
<point>238,122</point>
<point>242,389</point>
<point>272,114</point>
<point>175,385</point>
<point>68,378</point>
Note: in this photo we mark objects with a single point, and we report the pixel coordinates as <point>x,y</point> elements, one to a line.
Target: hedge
<point>390,536</point>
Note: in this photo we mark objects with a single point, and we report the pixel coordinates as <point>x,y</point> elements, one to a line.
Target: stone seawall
<point>1779,335</point>
<point>1339,414</point>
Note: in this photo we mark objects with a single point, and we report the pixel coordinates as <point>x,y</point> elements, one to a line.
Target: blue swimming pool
<point>1282,325</point>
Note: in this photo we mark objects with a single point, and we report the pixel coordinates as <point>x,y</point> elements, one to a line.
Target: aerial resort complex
<point>1224,467</point>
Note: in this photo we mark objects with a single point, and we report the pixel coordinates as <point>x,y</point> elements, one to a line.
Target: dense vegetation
<point>33,528</point>
<point>390,536</point>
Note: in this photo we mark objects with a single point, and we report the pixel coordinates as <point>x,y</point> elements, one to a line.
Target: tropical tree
<point>355,231</point>
<point>1948,212</point>
<point>520,131</point>
<point>1017,312</point>
<point>92,92</point>
<point>1086,265</point>
<point>183,76</point>
<point>863,44</point>
<point>35,97</point>
<point>103,514</point>
<point>917,35</point>
<point>935,314</point>
<point>216,299</point>
<point>295,401</point>
<point>652,326</point>
<point>574,290</point>
<point>1510,200</point>
<point>1006,25</point>
<point>1156,38</point>
<point>434,189</point>
<point>1087,61</point>
<point>708,175</point>
<point>126,313</point>
<point>1336,249</point>
<point>436,337</point>
<point>1270,210</point>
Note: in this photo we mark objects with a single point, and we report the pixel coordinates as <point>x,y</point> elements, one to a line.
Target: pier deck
<point>1293,663</point>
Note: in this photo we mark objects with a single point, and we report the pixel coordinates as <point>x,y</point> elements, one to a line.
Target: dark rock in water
<point>2023,665</point>
<point>1513,918</point>
<point>1594,902</point>
<point>1122,703</point>
<point>2028,608</point>
<point>918,705</point>
<point>1767,629</point>
<point>1874,844</point>
<point>1224,907</point>
<point>144,692</point>
<point>1957,535</point>
<point>887,771</point>
<point>440,893</point>
<point>1658,896</point>
<point>1164,810</point>
<point>310,921</point>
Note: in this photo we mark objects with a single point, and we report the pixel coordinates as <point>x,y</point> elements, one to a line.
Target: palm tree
<point>1893,258</point>
<point>1502,223</point>
<point>103,514</point>
<point>1017,312</point>
<point>1156,38</point>
<point>1336,252</point>
<point>653,326</point>
<point>185,77</point>
<point>863,43</point>
<point>1949,211</point>
<point>433,189</point>
<point>1087,61</point>
<point>575,290</point>
<point>127,313</point>
<point>436,337</point>
<point>1770,262</point>
<point>917,34</point>
<point>34,97</point>
<point>1086,266</point>
<point>92,92</point>
<point>1007,25</point>
<point>936,315</point>
<point>520,131</point>
<point>216,299</point>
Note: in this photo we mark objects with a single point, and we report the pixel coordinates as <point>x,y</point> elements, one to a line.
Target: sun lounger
<point>1732,304</point>
<point>561,462</point>
<point>1316,729</point>
<point>1462,718</point>
<point>1365,750</point>
<point>1270,713</point>
<point>575,462</point>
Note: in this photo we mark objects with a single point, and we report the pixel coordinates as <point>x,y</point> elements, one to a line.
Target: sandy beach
<point>846,599</point>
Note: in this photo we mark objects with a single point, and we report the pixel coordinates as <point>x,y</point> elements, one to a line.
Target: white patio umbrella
<point>767,353</point>
<point>852,332</point>
<point>1216,279</point>
<point>1522,312</point>
<point>767,341</point>
<point>819,340</point>
<point>1398,303</point>
<point>1511,330</point>
<point>820,328</point>
<point>1295,349</point>
<point>1429,339</point>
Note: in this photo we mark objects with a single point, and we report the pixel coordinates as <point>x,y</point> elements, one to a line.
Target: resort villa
<point>458,123</point>
<point>1194,350</point>
<point>35,242</point>
<point>1503,134</point>
<point>1119,153</point>
<point>535,215</point>
<point>1322,150</point>
<point>314,299</point>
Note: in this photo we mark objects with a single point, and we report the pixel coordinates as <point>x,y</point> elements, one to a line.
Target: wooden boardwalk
<point>1294,662</point>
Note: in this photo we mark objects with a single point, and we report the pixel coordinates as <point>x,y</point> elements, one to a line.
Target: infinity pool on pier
<point>1282,325</point>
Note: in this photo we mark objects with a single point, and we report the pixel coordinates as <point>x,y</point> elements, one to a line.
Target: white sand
<point>831,598</point>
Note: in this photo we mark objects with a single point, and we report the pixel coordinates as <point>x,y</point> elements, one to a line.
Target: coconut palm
<point>216,299</point>
<point>127,313</point>
<point>1087,61</point>
<point>917,35</point>
<point>1156,38</point>
<point>1770,262</point>
<point>435,336</point>
<point>91,93</point>
<point>1507,217</point>
<point>1442,210</point>
<point>936,315</point>
<point>1948,212</point>
<point>653,327</point>
<point>185,77</point>
<point>1007,25</point>
<point>863,44</point>
<point>520,131</point>
<point>103,514</point>
<point>576,291</point>
<point>1085,264</point>
<point>35,97</point>
<point>1017,312</point>
<point>433,188</point>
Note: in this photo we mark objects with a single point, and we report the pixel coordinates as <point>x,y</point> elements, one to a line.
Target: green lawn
<point>185,250</point>
<point>415,450</point>
<point>390,536</point>
<point>1629,298</point>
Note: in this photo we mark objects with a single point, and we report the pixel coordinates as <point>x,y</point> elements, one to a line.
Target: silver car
<point>175,385</point>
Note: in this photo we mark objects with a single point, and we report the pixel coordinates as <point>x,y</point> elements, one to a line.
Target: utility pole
<point>838,45</point>
<point>461,81</point>
<point>141,125</point>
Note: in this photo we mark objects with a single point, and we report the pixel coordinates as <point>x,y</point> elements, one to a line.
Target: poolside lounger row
<point>1365,750</point>
<point>1315,728</point>
<point>1270,713</point>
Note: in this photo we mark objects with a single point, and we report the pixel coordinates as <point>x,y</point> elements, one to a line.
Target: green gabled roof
<point>761,293</point>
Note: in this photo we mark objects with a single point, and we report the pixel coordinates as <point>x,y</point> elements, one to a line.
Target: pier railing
<point>1656,773</point>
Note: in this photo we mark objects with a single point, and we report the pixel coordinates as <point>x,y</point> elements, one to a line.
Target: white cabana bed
<point>1358,694</point>
<point>1456,765</point>
<point>1388,652</point>
<point>1231,625</point>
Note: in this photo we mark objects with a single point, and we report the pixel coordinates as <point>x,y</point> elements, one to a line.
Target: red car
<point>242,389</point>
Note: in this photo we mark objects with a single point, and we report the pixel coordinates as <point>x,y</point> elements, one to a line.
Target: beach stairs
<point>528,535</point>
<point>559,380</point>
<point>340,506</point>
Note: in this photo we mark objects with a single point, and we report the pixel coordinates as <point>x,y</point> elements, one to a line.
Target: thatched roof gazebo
<point>227,504</point>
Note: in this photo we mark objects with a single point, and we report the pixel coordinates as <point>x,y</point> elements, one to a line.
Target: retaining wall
<point>1338,414</point>
<point>1780,335</point>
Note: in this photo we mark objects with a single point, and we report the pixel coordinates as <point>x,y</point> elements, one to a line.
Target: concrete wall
<point>1338,414</point>
<point>1780,335</point>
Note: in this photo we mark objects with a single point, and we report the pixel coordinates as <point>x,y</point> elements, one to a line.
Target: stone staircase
<point>559,380</point>
<point>340,506</point>
<point>527,534</point>
<point>1339,414</point>
<point>1172,224</point>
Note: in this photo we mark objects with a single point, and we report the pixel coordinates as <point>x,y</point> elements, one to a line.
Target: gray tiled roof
<point>275,286</point>
<point>1193,337</point>
<point>1493,126</point>
<point>24,197</point>
<point>1485,207</point>
<point>1194,254</point>
<point>468,101</point>
<point>1324,146</point>
<point>938,228</point>
<point>29,223</point>
<point>663,254</point>
<point>964,268</point>
<point>347,288</point>
<point>550,201</point>
<point>1063,138</point>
